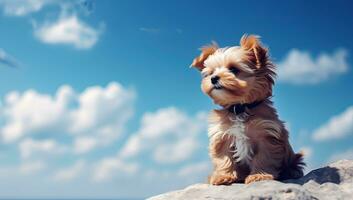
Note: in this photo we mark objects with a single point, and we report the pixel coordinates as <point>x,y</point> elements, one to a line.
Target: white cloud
<point>32,111</point>
<point>181,150</point>
<point>202,168</point>
<point>29,147</point>
<point>337,127</point>
<point>99,112</point>
<point>169,134</point>
<point>69,30</point>
<point>79,122</point>
<point>84,144</point>
<point>189,173</point>
<point>102,114</point>
<point>70,172</point>
<point>132,147</point>
<point>7,59</point>
<point>99,107</point>
<point>5,171</point>
<point>348,154</point>
<point>91,119</point>
<point>301,68</point>
<point>109,166</point>
<point>22,7</point>
<point>32,167</point>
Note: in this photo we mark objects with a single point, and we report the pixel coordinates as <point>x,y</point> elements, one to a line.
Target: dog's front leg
<point>266,163</point>
<point>221,156</point>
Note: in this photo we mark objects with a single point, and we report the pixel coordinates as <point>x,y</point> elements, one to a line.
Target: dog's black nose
<point>214,79</point>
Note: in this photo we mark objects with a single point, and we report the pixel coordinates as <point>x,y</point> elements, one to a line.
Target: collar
<point>240,108</point>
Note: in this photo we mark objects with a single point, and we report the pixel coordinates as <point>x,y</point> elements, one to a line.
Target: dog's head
<point>238,74</point>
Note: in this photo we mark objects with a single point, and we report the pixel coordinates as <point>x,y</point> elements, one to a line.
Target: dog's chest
<point>240,145</point>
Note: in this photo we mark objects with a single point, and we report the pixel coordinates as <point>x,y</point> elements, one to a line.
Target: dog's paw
<point>258,177</point>
<point>222,179</point>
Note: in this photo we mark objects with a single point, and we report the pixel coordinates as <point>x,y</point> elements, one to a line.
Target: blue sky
<point>98,100</point>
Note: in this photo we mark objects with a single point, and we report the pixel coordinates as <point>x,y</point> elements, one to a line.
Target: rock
<point>334,181</point>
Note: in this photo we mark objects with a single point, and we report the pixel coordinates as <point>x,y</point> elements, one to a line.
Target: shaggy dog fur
<point>248,142</point>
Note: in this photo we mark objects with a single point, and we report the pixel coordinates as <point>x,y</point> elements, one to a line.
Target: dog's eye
<point>234,70</point>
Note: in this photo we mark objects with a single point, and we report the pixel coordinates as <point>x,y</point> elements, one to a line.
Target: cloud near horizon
<point>70,172</point>
<point>46,128</point>
<point>95,117</point>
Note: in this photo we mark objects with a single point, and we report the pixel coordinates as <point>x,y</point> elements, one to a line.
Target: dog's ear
<point>206,51</point>
<point>256,51</point>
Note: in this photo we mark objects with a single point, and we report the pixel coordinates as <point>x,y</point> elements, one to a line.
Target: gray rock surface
<point>334,181</point>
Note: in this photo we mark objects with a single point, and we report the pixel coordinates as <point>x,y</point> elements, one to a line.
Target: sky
<point>97,99</point>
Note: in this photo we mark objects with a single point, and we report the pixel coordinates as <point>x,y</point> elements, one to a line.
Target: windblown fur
<point>253,145</point>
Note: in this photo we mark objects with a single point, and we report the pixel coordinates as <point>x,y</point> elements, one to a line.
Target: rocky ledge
<point>334,181</point>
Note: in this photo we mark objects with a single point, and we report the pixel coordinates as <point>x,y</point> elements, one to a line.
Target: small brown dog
<point>248,142</point>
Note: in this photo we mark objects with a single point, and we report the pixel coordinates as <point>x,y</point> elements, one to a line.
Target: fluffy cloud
<point>109,166</point>
<point>70,172</point>
<point>28,147</point>
<point>6,59</point>
<point>69,30</point>
<point>167,136</point>
<point>32,167</point>
<point>73,123</point>
<point>69,122</point>
<point>93,118</point>
<point>164,133</point>
<point>337,127</point>
<point>21,8</point>
<point>100,107</point>
<point>301,68</point>
<point>84,144</point>
<point>181,150</point>
<point>190,170</point>
<point>189,173</point>
<point>32,111</point>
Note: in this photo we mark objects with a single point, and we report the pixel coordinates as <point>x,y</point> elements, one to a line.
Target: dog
<point>248,141</point>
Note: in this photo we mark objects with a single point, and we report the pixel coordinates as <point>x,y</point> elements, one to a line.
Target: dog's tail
<point>294,168</point>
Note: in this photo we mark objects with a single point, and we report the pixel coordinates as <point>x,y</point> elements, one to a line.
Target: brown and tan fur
<point>256,147</point>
